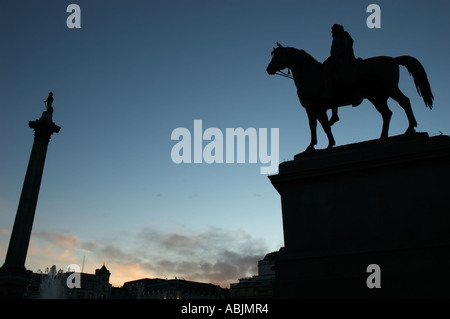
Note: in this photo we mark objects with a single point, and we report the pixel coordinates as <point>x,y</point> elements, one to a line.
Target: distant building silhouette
<point>171,289</point>
<point>93,286</point>
<point>260,286</point>
<point>97,286</point>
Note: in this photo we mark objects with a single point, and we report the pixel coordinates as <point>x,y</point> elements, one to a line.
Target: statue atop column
<point>47,115</point>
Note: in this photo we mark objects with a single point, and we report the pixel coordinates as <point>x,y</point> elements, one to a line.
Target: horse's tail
<point>419,75</point>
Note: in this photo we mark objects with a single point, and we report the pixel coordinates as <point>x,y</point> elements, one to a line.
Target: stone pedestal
<point>376,202</point>
<point>13,276</point>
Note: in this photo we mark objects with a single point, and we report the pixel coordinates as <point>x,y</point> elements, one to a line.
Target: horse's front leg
<point>313,128</point>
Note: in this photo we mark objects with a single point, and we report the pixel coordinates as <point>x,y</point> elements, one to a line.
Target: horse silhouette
<point>375,79</point>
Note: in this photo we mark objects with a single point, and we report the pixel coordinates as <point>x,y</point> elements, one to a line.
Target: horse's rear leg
<point>323,119</point>
<point>404,102</point>
<point>382,107</point>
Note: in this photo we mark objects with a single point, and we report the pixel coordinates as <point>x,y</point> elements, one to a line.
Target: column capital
<point>44,126</point>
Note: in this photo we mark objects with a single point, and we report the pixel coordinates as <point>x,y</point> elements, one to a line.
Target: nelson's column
<point>14,278</point>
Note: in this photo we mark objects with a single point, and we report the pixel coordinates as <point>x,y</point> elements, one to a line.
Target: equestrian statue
<point>344,80</point>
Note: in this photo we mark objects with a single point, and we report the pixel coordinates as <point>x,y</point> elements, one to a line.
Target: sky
<point>137,70</point>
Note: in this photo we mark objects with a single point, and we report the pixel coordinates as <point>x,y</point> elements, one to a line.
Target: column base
<point>14,282</point>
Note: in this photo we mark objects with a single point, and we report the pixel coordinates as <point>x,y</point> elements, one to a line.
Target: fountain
<point>53,286</point>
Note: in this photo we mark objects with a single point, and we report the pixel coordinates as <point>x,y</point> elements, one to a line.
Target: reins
<point>288,75</point>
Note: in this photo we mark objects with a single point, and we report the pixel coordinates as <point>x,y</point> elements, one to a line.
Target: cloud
<point>5,231</point>
<point>176,241</point>
<point>52,248</point>
<point>216,255</point>
<point>110,253</point>
<point>60,240</point>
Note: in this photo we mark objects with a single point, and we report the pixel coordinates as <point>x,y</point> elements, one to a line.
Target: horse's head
<point>280,59</point>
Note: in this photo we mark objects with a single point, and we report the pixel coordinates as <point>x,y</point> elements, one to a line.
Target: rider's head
<point>337,29</point>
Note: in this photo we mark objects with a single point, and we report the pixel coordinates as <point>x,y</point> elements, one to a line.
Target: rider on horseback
<point>340,60</point>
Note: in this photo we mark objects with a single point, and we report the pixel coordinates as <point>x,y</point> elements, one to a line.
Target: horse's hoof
<point>333,120</point>
<point>410,130</point>
<point>310,149</point>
